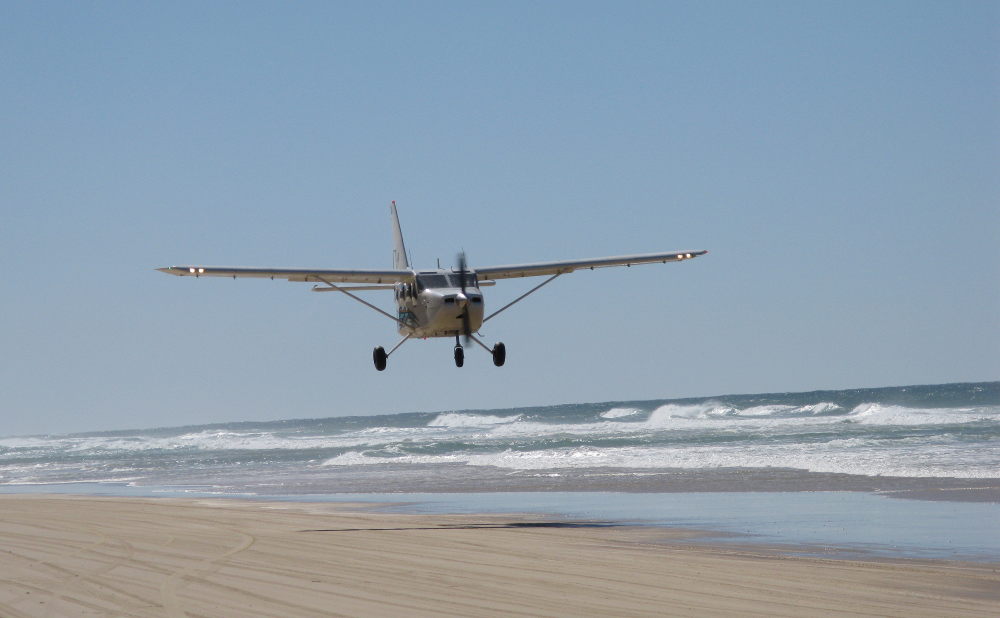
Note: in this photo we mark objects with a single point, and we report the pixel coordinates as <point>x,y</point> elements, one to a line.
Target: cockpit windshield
<point>446,280</point>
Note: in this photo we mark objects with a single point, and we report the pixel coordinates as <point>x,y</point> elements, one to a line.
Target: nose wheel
<point>459,356</point>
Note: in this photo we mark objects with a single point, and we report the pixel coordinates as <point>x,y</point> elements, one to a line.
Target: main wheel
<point>459,356</point>
<point>380,358</point>
<point>499,354</point>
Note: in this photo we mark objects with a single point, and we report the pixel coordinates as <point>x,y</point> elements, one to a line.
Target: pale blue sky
<point>839,160</point>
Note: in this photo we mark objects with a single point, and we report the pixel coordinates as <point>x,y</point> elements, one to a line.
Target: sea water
<point>920,431</point>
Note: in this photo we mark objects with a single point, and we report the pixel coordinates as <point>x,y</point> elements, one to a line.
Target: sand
<point>93,556</point>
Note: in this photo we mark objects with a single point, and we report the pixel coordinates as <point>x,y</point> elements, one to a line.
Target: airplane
<point>432,303</point>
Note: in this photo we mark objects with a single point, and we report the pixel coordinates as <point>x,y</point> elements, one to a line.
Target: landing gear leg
<point>380,358</point>
<point>499,351</point>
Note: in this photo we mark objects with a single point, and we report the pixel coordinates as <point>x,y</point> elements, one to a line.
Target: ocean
<point>851,439</point>
<point>817,469</point>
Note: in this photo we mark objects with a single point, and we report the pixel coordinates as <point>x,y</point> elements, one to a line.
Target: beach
<point>83,555</point>
<point>856,502</point>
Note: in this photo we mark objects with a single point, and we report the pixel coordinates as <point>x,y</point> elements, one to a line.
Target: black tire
<point>459,356</point>
<point>499,354</point>
<point>380,358</point>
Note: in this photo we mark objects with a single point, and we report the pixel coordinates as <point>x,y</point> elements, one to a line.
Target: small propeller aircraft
<point>431,303</point>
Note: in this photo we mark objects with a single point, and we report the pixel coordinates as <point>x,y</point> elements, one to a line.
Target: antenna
<point>439,263</point>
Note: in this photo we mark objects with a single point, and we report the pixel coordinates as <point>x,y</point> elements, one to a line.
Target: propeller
<point>463,270</point>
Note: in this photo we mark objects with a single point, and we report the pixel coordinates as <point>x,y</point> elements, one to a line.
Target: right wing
<point>534,269</point>
<point>293,274</point>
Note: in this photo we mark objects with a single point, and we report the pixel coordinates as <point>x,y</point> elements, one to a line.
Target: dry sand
<point>87,556</point>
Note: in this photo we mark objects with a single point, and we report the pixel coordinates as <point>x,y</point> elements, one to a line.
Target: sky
<point>838,160</point>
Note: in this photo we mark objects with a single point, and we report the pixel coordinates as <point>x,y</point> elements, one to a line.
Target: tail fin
<point>399,259</point>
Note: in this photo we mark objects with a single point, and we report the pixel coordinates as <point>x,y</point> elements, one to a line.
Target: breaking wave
<point>880,414</point>
<point>918,431</point>
<point>620,412</point>
<point>471,420</point>
<point>860,457</point>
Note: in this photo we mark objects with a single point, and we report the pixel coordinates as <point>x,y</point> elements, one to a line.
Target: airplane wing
<point>534,269</point>
<point>292,274</point>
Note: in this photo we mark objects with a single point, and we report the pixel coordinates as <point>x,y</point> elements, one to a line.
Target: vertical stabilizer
<point>399,260</point>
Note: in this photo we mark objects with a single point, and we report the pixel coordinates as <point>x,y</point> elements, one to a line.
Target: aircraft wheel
<point>380,358</point>
<point>499,354</point>
<point>459,356</point>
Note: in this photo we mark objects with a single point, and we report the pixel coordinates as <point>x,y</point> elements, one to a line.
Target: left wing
<point>293,274</point>
<point>534,269</point>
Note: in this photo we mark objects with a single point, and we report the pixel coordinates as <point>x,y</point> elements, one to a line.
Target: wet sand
<point>449,478</point>
<point>78,555</point>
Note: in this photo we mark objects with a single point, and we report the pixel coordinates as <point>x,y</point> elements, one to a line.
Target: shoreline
<point>833,524</point>
<point>459,478</point>
<point>70,554</point>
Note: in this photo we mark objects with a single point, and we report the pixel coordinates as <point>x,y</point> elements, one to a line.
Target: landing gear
<point>380,358</point>
<point>499,351</point>
<point>499,354</point>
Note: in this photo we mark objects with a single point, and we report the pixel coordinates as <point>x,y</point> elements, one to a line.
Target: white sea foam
<point>882,414</point>
<point>726,418</point>
<point>207,441</point>
<point>821,408</point>
<point>869,439</point>
<point>620,412</point>
<point>712,417</point>
<point>354,458</point>
<point>716,410</point>
<point>487,428</point>
<point>666,413</point>
<point>28,481</point>
<point>848,456</point>
<point>453,419</point>
<point>530,429</point>
<point>26,442</point>
<point>773,410</point>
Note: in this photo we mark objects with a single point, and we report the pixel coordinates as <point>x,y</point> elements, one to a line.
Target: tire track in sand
<point>168,589</point>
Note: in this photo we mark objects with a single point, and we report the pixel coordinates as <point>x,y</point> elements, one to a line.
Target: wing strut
<point>396,347</point>
<point>364,302</point>
<point>519,298</point>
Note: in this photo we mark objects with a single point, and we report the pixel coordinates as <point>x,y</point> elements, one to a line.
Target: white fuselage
<point>434,304</point>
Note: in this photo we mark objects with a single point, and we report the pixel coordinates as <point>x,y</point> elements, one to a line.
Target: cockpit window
<point>446,280</point>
